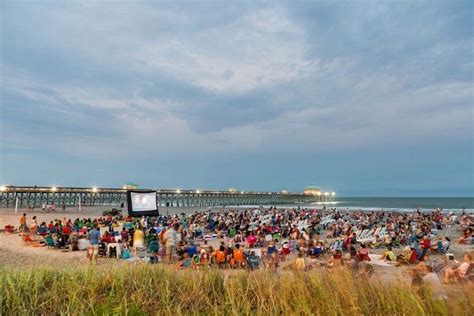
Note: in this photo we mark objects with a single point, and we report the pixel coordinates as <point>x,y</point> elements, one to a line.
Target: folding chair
<point>49,241</point>
<point>141,254</point>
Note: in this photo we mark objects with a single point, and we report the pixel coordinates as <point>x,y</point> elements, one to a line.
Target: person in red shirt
<point>107,238</point>
<point>424,247</point>
<point>66,230</point>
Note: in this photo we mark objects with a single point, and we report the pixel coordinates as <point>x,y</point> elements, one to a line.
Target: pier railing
<point>26,196</point>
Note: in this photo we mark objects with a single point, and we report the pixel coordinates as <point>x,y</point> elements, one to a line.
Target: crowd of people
<point>300,239</point>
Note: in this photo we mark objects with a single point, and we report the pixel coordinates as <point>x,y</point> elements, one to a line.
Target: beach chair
<point>361,233</point>
<point>153,249</point>
<point>112,252</point>
<point>102,250</point>
<point>367,234</point>
<point>363,236</point>
<point>141,254</point>
<point>337,245</point>
<point>50,241</point>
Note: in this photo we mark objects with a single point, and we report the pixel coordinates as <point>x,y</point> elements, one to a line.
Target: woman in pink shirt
<point>460,272</point>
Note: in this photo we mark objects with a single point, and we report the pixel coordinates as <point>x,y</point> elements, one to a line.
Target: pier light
<point>3,188</point>
<point>94,189</point>
<point>54,188</point>
<point>241,192</point>
<point>333,193</point>
<point>198,192</point>
<point>178,191</point>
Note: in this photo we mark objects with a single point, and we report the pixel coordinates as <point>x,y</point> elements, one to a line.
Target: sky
<point>364,98</point>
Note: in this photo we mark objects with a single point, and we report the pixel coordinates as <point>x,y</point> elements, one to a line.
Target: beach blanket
<point>374,259</point>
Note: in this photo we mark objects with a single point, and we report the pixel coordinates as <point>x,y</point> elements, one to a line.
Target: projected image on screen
<point>143,202</point>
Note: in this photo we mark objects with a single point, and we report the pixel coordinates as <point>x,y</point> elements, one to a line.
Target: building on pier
<point>312,190</point>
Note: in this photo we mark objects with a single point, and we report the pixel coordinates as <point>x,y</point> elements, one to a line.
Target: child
<point>196,261</point>
<point>185,262</point>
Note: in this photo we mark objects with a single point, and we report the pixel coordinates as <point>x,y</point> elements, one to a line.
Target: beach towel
<point>375,259</point>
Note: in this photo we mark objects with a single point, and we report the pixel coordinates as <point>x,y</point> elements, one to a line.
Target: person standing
<point>23,227</point>
<point>94,238</point>
<point>171,240</point>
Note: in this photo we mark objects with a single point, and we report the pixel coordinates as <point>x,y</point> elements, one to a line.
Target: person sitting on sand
<point>186,262</point>
<point>387,240</point>
<point>271,248</point>
<point>388,255</point>
<point>253,261</point>
<point>300,263</point>
<point>108,238</point>
<point>424,247</point>
<point>430,279</point>
<point>461,271</point>
<point>376,243</point>
<point>407,256</point>
<point>318,249</point>
<point>251,240</point>
<point>205,258</point>
<point>363,253</point>
<point>336,260</point>
<point>43,229</point>
<point>466,237</point>
<point>139,237</point>
<point>220,257</point>
<point>238,256</point>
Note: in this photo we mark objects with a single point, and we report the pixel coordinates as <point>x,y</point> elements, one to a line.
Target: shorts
<point>170,251</point>
<point>95,249</point>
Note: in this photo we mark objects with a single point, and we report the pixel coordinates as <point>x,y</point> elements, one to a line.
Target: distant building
<point>312,190</point>
<point>130,186</point>
<point>232,190</point>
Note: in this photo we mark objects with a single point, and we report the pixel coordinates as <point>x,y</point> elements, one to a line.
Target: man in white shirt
<point>431,280</point>
<point>171,240</point>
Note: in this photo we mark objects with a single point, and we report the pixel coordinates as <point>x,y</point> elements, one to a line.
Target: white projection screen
<point>142,203</point>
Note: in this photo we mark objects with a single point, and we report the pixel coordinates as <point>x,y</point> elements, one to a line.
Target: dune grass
<point>150,290</point>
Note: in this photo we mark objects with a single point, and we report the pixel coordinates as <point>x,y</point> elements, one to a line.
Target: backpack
<point>125,254</point>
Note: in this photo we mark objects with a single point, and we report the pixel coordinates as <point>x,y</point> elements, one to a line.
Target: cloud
<point>90,79</point>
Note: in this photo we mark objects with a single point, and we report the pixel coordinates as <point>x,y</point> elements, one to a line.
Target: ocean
<point>455,204</point>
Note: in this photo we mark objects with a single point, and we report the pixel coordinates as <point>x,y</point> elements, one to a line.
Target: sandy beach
<point>15,253</point>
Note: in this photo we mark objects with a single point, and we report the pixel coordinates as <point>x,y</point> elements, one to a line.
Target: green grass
<point>150,290</point>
